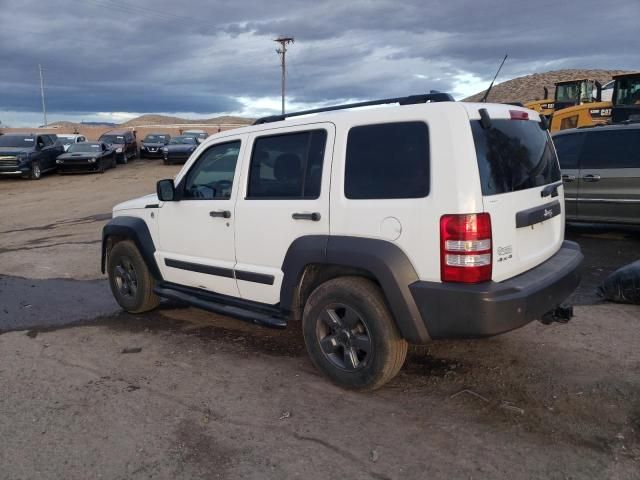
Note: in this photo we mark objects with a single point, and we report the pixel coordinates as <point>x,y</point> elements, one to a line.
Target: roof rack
<point>432,96</point>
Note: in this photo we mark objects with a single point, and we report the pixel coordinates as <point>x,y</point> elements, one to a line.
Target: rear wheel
<point>130,280</point>
<point>350,334</point>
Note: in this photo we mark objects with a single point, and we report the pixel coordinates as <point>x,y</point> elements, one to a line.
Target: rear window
<point>389,160</point>
<point>611,149</point>
<point>514,155</point>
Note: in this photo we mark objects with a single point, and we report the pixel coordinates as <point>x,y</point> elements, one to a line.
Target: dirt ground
<point>87,391</point>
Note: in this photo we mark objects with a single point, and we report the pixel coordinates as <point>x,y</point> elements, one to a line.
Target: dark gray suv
<point>601,173</point>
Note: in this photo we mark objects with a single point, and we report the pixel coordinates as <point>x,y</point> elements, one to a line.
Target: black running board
<point>265,319</point>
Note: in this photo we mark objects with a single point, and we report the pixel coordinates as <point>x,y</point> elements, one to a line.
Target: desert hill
<point>530,87</point>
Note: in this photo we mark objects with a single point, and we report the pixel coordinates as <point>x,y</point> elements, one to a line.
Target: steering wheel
<point>223,185</point>
<point>203,191</point>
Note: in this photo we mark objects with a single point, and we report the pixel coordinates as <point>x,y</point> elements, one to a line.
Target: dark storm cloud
<point>201,56</point>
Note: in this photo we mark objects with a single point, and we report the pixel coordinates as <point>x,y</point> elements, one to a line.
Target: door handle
<point>591,178</point>
<point>220,213</point>
<point>568,178</point>
<point>314,217</point>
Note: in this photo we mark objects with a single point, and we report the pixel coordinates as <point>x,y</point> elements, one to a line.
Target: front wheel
<point>36,171</point>
<point>350,334</point>
<point>130,280</point>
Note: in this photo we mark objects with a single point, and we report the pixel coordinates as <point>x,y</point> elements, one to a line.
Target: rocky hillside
<point>530,87</point>
<point>166,120</point>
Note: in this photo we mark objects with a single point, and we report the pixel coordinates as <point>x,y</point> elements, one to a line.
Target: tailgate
<point>522,191</point>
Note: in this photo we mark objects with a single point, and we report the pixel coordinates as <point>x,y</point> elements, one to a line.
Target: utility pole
<point>44,108</point>
<point>282,52</point>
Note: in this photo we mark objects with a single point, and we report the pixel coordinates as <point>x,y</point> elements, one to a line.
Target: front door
<point>196,232</point>
<point>569,148</point>
<point>286,196</point>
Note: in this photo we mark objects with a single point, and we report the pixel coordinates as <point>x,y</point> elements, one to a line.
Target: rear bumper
<point>451,310</point>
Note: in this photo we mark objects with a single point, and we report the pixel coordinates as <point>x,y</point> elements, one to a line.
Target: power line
<point>282,53</point>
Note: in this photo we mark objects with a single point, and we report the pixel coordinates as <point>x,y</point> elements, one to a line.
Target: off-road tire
<point>123,255</point>
<point>36,172</point>
<point>363,297</point>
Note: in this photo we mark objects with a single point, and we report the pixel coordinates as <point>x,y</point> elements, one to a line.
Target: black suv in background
<point>151,146</point>
<point>28,155</point>
<point>123,142</point>
<point>601,173</point>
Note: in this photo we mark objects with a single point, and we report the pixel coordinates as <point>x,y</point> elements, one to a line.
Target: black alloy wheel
<point>125,277</point>
<point>344,337</point>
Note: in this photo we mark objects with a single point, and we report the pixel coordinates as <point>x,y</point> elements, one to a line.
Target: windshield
<point>628,91</point>
<point>65,140</point>
<point>182,140</point>
<point>514,155</point>
<point>24,141</point>
<point>85,147</point>
<point>197,134</point>
<point>569,92</point>
<point>112,139</point>
<point>155,138</point>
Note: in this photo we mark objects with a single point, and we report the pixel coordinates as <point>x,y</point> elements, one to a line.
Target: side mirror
<point>166,190</point>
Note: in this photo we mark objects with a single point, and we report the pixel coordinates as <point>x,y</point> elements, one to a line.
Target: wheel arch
<point>312,260</point>
<point>136,230</point>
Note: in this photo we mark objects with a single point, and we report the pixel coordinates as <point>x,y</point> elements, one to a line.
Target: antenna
<point>486,94</point>
<point>282,52</point>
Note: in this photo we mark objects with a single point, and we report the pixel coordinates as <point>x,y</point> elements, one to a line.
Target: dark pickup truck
<point>28,155</point>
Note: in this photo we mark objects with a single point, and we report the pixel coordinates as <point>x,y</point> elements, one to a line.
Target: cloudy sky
<point>114,59</point>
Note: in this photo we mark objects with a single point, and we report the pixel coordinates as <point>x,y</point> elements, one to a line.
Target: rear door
<point>609,179</point>
<point>568,147</point>
<point>522,190</point>
<point>286,196</point>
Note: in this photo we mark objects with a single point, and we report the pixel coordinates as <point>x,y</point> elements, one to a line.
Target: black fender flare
<point>135,229</point>
<point>384,260</point>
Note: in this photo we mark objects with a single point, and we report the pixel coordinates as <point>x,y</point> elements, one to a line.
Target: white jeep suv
<point>374,227</point>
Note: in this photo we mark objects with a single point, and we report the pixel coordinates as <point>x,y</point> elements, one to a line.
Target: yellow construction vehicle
<point>625,103</point>
<point>543,107</point>
<point>568,94</point>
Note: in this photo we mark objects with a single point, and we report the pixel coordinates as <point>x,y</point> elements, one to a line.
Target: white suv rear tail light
<point>465,248</point>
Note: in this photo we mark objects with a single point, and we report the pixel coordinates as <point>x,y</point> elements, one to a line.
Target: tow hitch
<point>560,314</point>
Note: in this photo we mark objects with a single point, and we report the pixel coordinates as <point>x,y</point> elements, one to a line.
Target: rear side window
<point>514,155</point>
<point>611,149</point>
<point>568,148</point>
<point>287,166</point>
<point>388,160</point>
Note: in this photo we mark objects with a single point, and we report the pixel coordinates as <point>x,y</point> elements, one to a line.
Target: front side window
<point>287,166</point>
<point>568,148</point>
<point>211,177</point>
<point>388,160</point>
<point>568,92</point>
<point>628,91</point>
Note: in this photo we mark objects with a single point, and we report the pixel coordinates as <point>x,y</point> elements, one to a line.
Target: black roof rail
<point>432,96</point>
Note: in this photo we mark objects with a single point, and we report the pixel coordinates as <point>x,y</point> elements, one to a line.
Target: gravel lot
<point>87,391</point>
